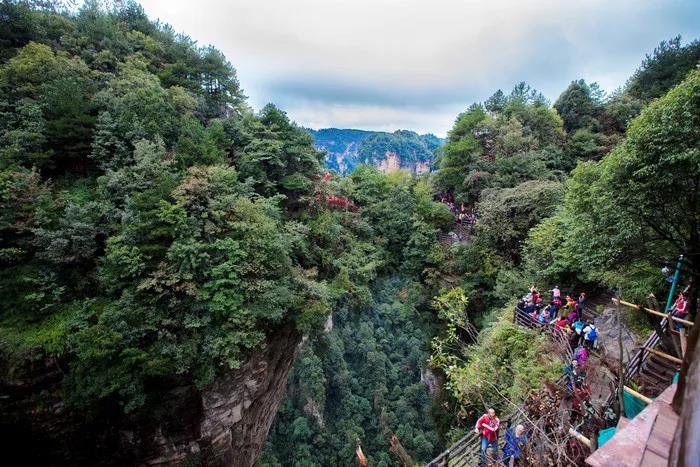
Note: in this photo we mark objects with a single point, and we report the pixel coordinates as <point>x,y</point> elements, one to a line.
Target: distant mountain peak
<point>406,149</point>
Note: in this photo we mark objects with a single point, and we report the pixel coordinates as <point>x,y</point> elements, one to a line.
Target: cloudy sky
<point>415,64</point>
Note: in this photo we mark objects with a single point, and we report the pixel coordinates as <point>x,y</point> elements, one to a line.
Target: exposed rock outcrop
<point>390,163</point>
<point>347,148</point>
<point>421,167</point>
<point>607,325</point>
<point>224,425</point>
<point>428,378</point>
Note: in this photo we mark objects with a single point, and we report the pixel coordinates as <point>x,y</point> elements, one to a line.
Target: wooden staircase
<point>654,364</point>
<point>465,452</point>
<point>652,368</point>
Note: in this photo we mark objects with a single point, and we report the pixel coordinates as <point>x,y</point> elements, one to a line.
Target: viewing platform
<point>643,441</point>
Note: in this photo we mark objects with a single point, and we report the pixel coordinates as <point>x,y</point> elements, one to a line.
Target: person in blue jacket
<point>516,440</point>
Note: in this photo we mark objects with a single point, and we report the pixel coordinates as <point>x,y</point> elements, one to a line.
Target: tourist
<point>556,293</point>
<point>572,317</point>
<point>552,312</point>
<point>515,444</point>
<point>577,326</point>
<point>556,302</point>
<point>564,313</point>
<point>535,315</point>
<point>581,355</point>
<point>571,371</point>
<point>544,316</point>
<point>575,375</point>
<point>530,307</point>
<point>590,334</point>
<point>680,310</point>
<point>582,395</point>
<point>582,302</point>
<point>487,426</point>
<point>570,303</point>
<point>562,324</point>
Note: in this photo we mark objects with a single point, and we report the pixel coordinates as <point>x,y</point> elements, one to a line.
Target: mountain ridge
<point>348,147</point>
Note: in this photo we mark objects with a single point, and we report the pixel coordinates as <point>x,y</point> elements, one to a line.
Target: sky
<point>409,64</point>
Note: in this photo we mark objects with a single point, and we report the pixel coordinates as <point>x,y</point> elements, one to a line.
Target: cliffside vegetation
<point>594,192</point>
<point>362,380</point>
<point>155,231</point>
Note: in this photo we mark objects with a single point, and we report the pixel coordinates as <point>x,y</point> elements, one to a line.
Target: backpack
<point>592,334</point>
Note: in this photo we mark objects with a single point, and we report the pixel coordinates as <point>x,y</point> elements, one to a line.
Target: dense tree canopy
<point>155,231</point>
<point>146,229</point>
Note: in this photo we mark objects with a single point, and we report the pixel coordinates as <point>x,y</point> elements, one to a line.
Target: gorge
<point>189,280</point>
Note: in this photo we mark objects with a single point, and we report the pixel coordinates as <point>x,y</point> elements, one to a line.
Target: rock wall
<point>428,378</point>
<point>393,162</point>
<point>390,163</point>
<point>224,425</point>
<point>240,407</point>
<point>421,167</point>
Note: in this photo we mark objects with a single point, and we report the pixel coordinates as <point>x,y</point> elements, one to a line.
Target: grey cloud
<point>354,63</point>
<point>338,90</point>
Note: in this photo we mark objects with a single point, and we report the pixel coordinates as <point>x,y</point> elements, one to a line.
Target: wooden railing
<point>522,318</point>
<point>635,364</point>
<point>465,452</point>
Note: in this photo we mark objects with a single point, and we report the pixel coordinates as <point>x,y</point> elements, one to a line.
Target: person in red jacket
<point>487,426</point>
<point>680,310</point>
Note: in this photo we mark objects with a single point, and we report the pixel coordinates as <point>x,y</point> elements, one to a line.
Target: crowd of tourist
<point>566,316</point>
<point>463,215</point>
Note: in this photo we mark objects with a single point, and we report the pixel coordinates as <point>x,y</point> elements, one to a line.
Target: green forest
<point>556,205</point>
<point>156,231</point>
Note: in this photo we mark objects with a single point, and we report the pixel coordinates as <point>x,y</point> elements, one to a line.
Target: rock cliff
<point>390,163</point>
<point>347,148</point>
<point>224,425</point>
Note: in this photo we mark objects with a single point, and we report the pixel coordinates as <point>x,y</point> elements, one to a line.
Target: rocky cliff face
<point>240,407</point>
<point>422,167</point>
<point>393,161</point>
<point>224,425</point>
<point>390,163</point>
